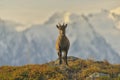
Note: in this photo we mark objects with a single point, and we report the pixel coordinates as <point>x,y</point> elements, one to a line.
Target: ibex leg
<point>60,57</point>
<point>65,57</point>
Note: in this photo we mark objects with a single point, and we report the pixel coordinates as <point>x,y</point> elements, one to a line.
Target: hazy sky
<point>36,11</point>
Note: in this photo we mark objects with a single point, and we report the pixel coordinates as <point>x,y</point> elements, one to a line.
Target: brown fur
<point>62,43</point>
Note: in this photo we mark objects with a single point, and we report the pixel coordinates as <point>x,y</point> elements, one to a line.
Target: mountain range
<point>93,36</point>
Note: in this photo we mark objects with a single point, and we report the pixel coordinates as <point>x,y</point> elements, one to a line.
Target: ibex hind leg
<point>65,57</point>
<point>60,57</point>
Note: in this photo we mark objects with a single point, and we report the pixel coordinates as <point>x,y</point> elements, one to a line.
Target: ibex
<point>62,43</point>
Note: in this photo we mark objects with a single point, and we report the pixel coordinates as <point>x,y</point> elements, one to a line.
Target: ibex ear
<point>57,26</point>
<point>65,25</point>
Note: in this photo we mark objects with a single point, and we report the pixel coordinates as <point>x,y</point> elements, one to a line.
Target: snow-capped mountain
<point>107,25</point>
<point>93,36</point>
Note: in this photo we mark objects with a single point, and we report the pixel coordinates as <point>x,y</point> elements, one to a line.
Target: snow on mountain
<point>106,24</point>
<point>90,36</point>
<point>11,45</point>
<point>90,43</point>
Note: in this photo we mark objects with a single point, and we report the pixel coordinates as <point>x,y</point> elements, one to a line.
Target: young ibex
<point>62,43</point>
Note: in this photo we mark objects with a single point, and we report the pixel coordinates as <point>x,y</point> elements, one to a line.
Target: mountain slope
<point>85,41</point>
<point>78,69</point>
<point>89,38</point>
<point>107,25</point>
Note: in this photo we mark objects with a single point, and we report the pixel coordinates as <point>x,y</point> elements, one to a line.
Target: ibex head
<point>61,28</point>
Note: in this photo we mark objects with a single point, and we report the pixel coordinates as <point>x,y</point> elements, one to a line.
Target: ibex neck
<point>62,34</point>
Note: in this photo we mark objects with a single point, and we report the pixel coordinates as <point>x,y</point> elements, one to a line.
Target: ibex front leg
<point>65,57</point>
<point>60,57</point>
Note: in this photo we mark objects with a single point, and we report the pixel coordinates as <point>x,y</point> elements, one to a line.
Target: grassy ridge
<point>78,69</point>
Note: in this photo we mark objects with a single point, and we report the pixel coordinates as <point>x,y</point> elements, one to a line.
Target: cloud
<point>66,17</point>
<point>116,10</point>
<point>20,28</point>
